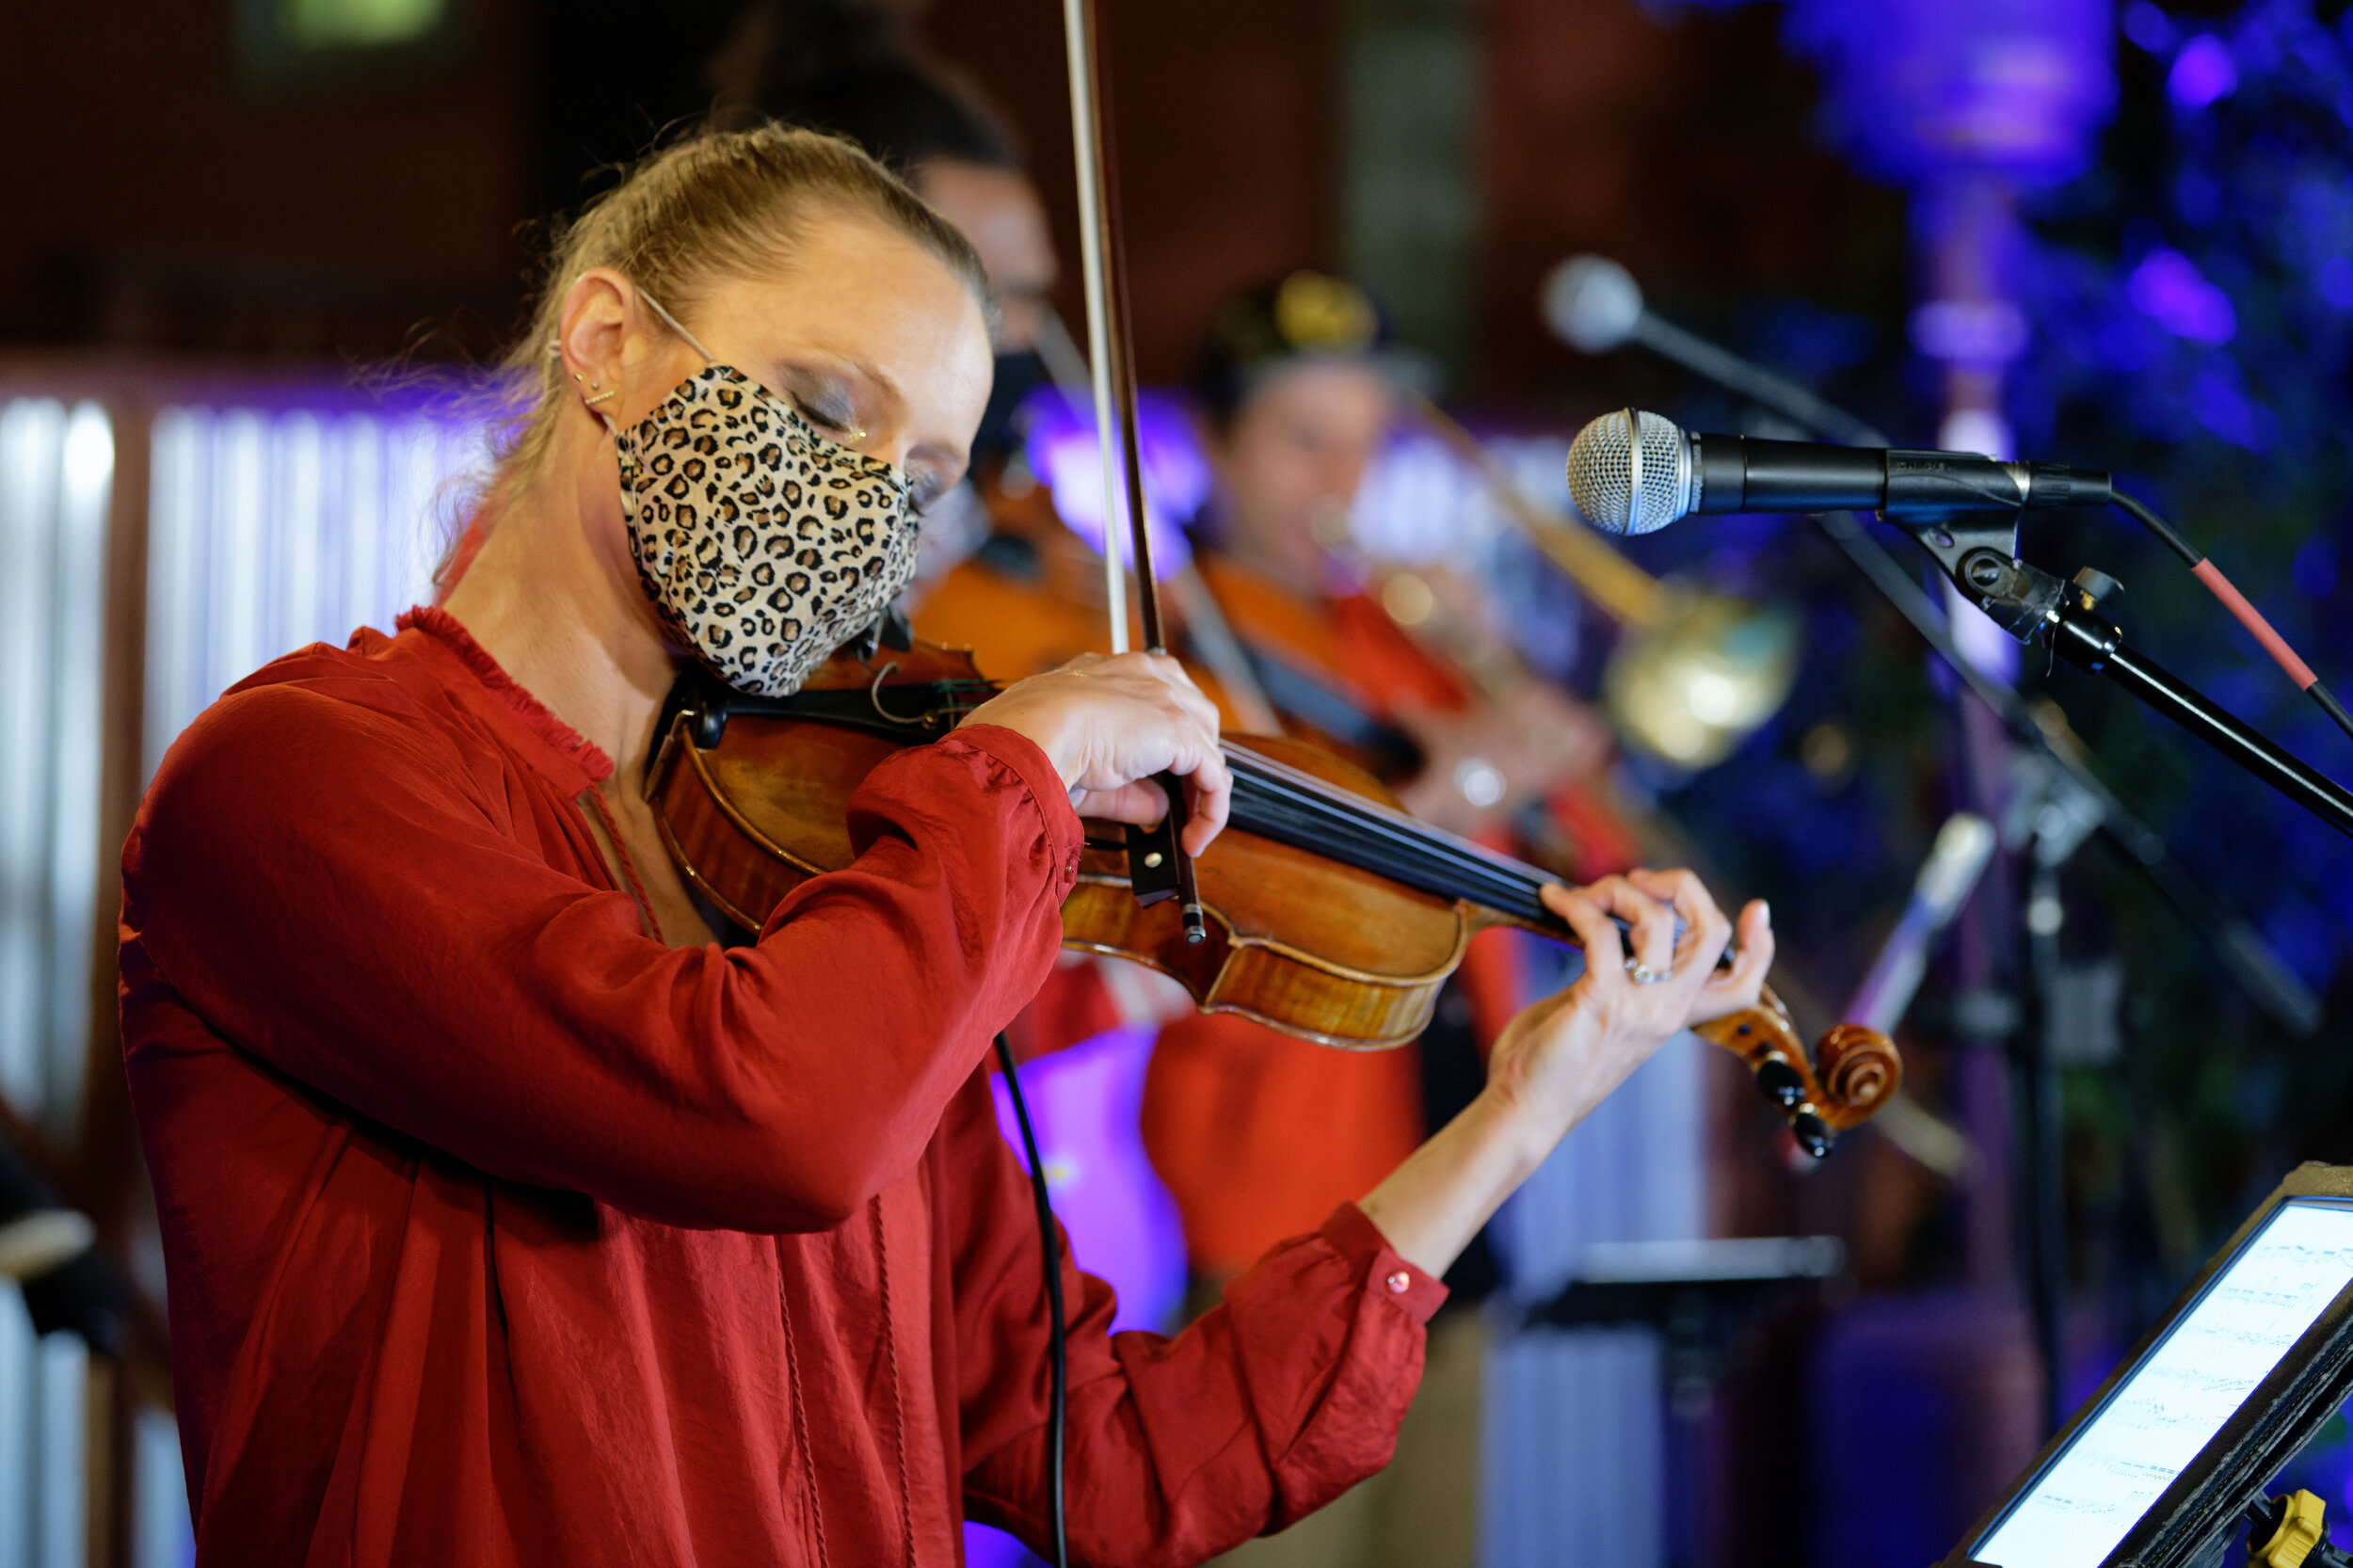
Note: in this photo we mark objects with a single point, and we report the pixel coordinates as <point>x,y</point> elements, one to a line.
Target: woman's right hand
<point>1108,723</point>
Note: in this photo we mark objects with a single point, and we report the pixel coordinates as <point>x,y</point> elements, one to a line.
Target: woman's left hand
<point>1565,1054</point>
<point>1561,1056</point>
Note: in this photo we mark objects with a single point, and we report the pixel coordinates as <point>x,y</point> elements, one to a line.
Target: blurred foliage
<point>2191,297</point>
<point>2193,302</point>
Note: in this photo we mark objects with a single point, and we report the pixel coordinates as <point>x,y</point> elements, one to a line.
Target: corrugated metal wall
<point>274,515</point>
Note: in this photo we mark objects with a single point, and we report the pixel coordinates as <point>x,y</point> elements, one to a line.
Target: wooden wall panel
<point>1223,120</point>
<point>1684,149</point>
<point>150,198</point>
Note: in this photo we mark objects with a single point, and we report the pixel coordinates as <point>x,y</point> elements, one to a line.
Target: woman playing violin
<point>509,1216</point>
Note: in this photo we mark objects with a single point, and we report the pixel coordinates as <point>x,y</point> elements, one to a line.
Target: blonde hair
<point>715,204</point>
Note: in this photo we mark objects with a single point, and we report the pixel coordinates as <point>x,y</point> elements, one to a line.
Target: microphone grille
<point>1629,484</point>
<point>1593,304</point>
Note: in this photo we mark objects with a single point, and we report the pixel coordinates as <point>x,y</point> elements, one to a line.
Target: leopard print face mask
<point>762,545</point>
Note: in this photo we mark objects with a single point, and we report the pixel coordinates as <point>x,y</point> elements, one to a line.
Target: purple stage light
<point>2202,71</point>
<point>1085,1103</point>
<point>1067,456</point>
<point>2168,288</point>
<point>1921,87</point>
<point>1973,332</point>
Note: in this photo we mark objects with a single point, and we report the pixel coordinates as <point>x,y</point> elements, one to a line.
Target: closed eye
<point>832,422</point>
<point>823,400</point>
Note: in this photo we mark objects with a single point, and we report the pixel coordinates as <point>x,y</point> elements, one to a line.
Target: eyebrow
<point>874,374</point>
<point>947,457</point>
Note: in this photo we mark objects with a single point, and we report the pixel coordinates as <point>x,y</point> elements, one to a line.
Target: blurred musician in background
<point>1251,1130</point>
<point>854,70</point>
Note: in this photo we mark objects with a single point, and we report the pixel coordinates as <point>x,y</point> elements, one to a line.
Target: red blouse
<point>500,1233</point>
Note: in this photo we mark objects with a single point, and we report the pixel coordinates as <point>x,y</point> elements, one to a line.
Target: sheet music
<point>2159,1419</point>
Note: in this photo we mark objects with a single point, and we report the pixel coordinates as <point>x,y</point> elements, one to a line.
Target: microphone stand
<point>2242,949</point>
<point>1979,554</point>
<point>2078,634</point>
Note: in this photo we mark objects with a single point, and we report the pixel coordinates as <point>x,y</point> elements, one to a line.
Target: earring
<point>592,385</point>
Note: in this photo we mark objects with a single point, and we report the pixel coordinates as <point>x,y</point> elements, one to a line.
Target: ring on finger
<point>1642,974</point>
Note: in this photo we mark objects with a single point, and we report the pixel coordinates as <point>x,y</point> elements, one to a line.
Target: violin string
<point>1284,803</point>
<point>1372,811</point>
<point>1340,817</point>
<point>1313,826</point>
<point>1317,833</point>
<point>1470,859</point>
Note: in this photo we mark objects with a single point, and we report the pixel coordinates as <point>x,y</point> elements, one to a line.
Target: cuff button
<point>1399,1283</point>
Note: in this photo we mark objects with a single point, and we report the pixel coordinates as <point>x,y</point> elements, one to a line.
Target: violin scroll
<point>1851,1075</point>
<point>1858,1069</point>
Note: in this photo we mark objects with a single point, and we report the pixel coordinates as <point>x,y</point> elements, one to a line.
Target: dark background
<point>163,198</point>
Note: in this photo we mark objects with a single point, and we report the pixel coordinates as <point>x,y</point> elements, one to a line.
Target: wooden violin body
<point>1315,924</point>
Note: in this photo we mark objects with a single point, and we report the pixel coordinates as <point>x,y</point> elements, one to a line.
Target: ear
<point>593,333</point>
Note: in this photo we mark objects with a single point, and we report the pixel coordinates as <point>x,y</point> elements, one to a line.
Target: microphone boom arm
<point>1980,552</point>
<point>2237,946</point>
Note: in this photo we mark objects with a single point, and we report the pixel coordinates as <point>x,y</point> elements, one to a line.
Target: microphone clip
<point>1979,551</point>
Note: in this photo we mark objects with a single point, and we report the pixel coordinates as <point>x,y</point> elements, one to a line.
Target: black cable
<point>2162,529</point>
<point>2319,692</point>
<point>2236,602</point>
<point>1058,1352</point>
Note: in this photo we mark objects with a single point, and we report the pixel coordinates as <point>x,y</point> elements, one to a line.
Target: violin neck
<point>1278,801</point>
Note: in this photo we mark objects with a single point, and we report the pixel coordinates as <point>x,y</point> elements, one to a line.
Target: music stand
<point>1696,1295</point>
<point>2162,1462</point>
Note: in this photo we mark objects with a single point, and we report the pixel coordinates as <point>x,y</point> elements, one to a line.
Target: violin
<point>1329,914</point>
<point>1321,910</point>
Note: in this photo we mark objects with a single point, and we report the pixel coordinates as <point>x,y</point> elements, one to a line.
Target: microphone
<point>1635,472</point>
<point>1593,304</point>
<point>1595,307</point>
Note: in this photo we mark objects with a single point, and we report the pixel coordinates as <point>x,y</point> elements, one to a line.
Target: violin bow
<point>1157,865</point>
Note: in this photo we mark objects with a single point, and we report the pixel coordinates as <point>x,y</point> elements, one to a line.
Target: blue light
<point>2315,568</point>
<point>2198,199</point>
<point>2336,282</point>
<point>2168,288</point>
<point>2222,408</point>
<point>2202,71</point>
<point>2148,27</point>
<point>2130,343</point>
